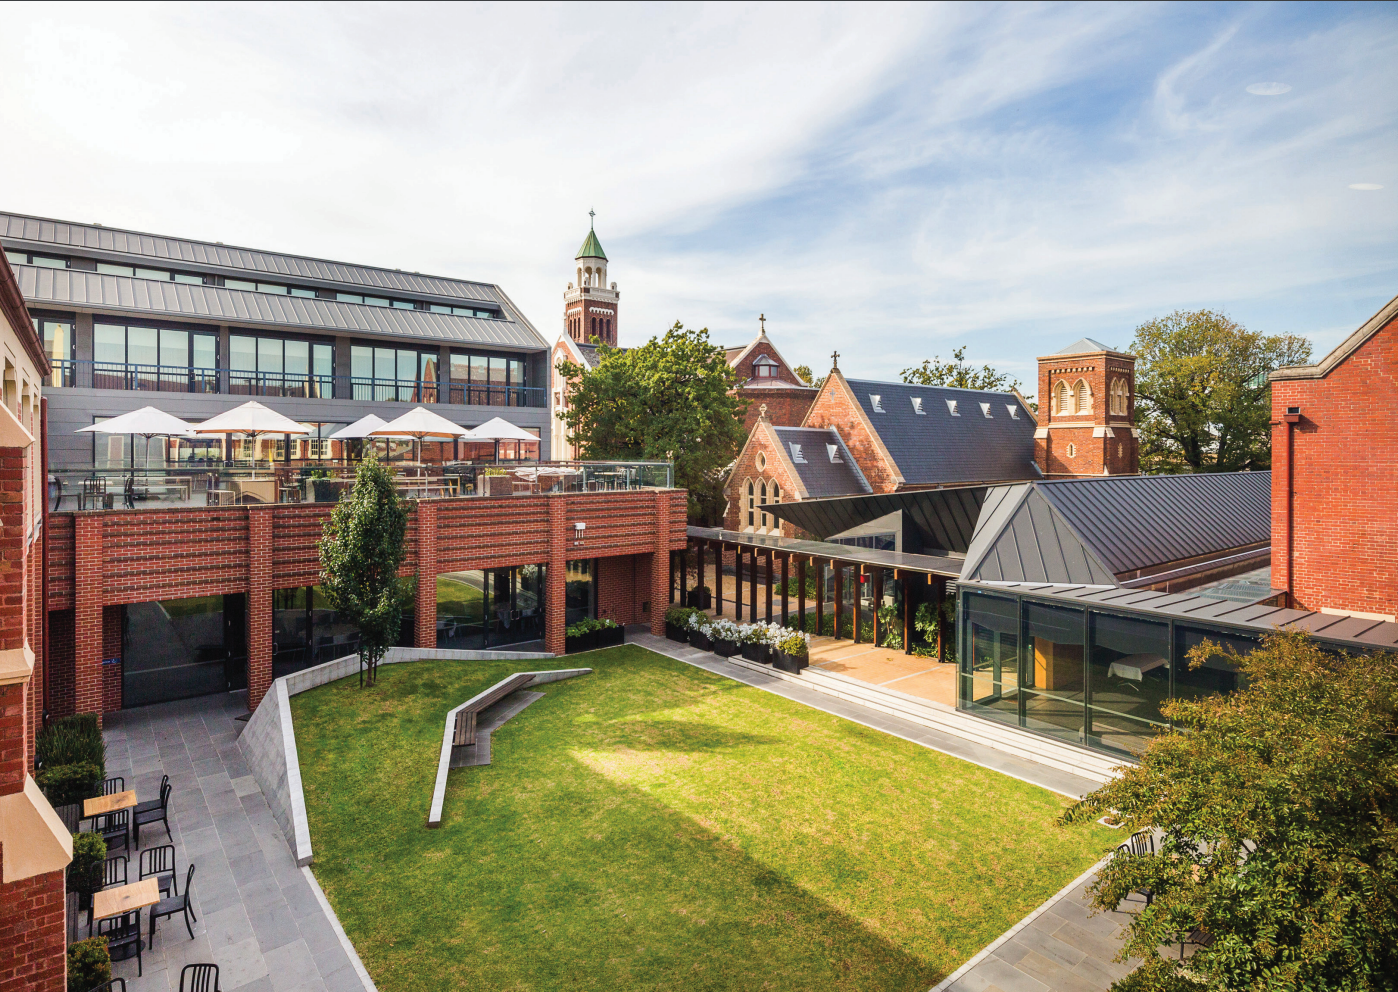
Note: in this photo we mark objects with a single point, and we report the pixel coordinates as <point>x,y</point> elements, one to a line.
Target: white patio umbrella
<point>362,429</point>
<point>251,419</point>
<point>147,422</point>
<point>420,423</point>
<point>498,429</point>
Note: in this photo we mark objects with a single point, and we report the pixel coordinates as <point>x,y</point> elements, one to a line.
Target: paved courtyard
<point>260,919</point>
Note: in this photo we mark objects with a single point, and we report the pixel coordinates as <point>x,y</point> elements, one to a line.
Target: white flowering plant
<point>699,622</point>
<point>724,629</point>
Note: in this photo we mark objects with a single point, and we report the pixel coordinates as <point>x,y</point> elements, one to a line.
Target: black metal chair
<point>112,986</point>
<point>200,978</point>
<point>160,863</point>
<point>1140,845</point>
<point>123,933</point>
<point>113,873</point>
<point>154,811</point>
<point>113,827</point>
<point>175,904</point>
<point>112,786</point>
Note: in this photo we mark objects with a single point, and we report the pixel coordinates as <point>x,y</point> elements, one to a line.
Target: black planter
<point>701,640</point>
<point>675,633</point>
<point>725,649</point>
<point>610,637</point>
<point>582,642</point>
<point>757,652</point>
<point>789,663</point>
<point>699,599</point>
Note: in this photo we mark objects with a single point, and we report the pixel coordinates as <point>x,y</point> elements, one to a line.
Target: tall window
<point>1084,397</point>
<point>752,506</point>
<point>762,489</point>
<point>1065,398</point>
<point>266,366</point>
<point>60,347</point>
<point>488,380</point>
<point>170,359</point>
<point>403,374</point>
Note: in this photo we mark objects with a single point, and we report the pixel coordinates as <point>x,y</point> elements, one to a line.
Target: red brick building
<point>765,378</point>
<point>590,316</point>
<point>35,848</point>
<point>1087,398</point>
<point>1335,476</point>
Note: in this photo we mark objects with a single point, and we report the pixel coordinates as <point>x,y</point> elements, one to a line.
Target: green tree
<point>670,399</point>
<point>360,553</point>
<point>1203,402</point>
<point>1279,812</point>
<point>935,372</point>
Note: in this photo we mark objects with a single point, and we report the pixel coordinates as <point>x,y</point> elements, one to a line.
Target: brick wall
<point>33,928</point>
<point>61,684</point>
<point>1074,443</point>
<point>763,448</point>
<point>1342,544</point>
<point>784,406</point>
<point>836,407</point>
<point>14,737</point>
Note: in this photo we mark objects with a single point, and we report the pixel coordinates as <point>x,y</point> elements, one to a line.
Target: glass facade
<point>408,375</point>
<point>268,366</point>
<point>1094,677</point>
<point>178,648</point>
<point>60,346</point>
<point>486,608</point>
<point>580,586</point>
<point>488,380</point>
<point>171,359</point>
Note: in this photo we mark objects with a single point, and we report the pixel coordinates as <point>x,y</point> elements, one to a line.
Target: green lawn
<point>653,826</point>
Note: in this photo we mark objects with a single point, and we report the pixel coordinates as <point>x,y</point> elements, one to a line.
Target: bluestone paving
<point>258,918</point>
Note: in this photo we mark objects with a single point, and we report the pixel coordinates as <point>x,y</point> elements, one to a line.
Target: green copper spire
<point>591,248</point>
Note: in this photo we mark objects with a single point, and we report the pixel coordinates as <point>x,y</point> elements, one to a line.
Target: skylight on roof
<point>833,450</point>
<point>874,399</point>
<point>985,409</point>
<point>1014,411</point>
<point>796,455</point>
<point>951,405</point>
<point>917,405</point>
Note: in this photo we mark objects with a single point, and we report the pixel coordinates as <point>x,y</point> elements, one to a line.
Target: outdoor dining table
<point>102,805</point>
<point>125,898</point>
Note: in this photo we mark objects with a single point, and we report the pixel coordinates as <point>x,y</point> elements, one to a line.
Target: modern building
<point>131,319</point>
<point>35,848</point>
<point>1335,476</point>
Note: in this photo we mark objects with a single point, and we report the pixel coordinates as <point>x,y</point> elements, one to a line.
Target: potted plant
<point>609,633</point>
<point>85,870</point>
<point>699,626</point>
<point>677,623</point>
<point>724,634</point>
<point>756,643</point>
<point>581,636</point>
<point>793,651</point>
<point>89,964</point>
<point>701,598</point>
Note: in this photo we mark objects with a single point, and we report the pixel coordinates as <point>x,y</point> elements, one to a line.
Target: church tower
<point>590,304</point>
<point>1087,403</point>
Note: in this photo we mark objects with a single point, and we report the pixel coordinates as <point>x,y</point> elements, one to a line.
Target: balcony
<point>179,379</point>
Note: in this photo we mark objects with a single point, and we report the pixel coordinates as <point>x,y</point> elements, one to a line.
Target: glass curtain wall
<point>61,348</point>
<point>485,608</point>
<point>406,375</point>
<point>267,366</point>
<point>157,358</point>
<point>990,673</point>
<point>487,380</point>
<point>178,648</point>
<point>1128,681</point>
<point>580,590</point>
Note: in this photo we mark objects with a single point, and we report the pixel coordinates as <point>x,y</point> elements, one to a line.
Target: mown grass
<point>653,826</point>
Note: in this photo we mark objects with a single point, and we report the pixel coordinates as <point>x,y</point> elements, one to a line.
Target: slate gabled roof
<point>937,447</point>
<point>818,473</point>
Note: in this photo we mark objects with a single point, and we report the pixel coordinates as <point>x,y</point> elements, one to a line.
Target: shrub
<point>70,740</point>
<point>794,643</point>
<point>588,625</point>
<point>698,620</point>
<point>89,964</point>
<point>85,870</point>
<point>678,616</point>
<point>67,784</point>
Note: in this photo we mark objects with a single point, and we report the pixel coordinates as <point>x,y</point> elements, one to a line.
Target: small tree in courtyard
<point>1279,809</point>
<point>360,553</point>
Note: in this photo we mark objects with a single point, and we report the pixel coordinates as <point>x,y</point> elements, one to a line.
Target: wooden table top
<point>98,805</point>
<point>125,898</point>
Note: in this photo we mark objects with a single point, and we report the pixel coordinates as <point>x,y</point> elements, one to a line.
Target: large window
<point>1052,670</point>
<point>177,648</point>
<point>60,346</point>
<point>488,380</point>
<point>408,375</point>
<point>483,608</point>
<point>580,586</point>
<point>267,366</point>
<point>1128,681</point>
<point>172,359</point>
<point>990,673</point>
<point>1218,673</point>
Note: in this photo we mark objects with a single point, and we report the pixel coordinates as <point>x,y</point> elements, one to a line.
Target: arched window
<point>776,498</point>
<point>1065,398</point>
<point>763,493</point>
<point>1084,397</point>
<point>752,506</point>
<point>609,327</point>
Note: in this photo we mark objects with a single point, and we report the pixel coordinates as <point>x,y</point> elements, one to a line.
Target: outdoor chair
<point>123,933</point>
<point>159,862</point>
<point>175,904</point>
<point>93,491</point>
<point>113,827</point>
<point>1140,845</point>
<point>112,986</point>
<point>199,978</point>
<point>112,786</point>
<point>154,811</point>
<point>113,873</point>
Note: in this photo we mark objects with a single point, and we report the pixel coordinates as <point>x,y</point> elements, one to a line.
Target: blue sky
<point>892,181</point>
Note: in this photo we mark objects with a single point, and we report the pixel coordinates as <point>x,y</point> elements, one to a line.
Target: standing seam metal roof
<point>150,298</point>
<point>177,251</point>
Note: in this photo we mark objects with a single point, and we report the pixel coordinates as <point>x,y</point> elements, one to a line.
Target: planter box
<point>674,633</point>
<point>700,640</point>
<point>583,642</point>
<point>789,663</point>
<point>610,637</point>
<point>725,649</point>
<point>757,652</point>
<point>699,599</point>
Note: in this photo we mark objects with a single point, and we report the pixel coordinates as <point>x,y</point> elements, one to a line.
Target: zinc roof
<point>591,247</point>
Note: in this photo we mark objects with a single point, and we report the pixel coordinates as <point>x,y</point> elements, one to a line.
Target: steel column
<point>786,581</point>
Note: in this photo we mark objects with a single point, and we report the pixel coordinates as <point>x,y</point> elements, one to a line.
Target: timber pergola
<point>922,577</point>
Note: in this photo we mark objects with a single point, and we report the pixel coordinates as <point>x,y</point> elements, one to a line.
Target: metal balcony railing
<point>128,376</point>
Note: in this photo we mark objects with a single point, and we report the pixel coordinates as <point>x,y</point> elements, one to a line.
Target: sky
<point>889,181</point>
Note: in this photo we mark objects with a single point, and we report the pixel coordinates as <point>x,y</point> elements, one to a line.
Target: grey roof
<point>110,241</point>
<point>591,353</point>
<point>1353,633</point>
<point>935,520</point>
<point>1020,537</point>
<point>1083,346</point>
<point>818,473</point>
<point>150,298</point>
<point>937,448</point>
<point>928,564</point>
<point>1140,521</point>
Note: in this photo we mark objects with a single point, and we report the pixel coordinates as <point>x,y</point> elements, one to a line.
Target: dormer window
<point>985,409</point>
<point>917,406</point>
<point>1014,411</point>
<point>796,455</point>
<point>833,450</point>
<point>764,368</point>
<point>875,402</point>
<point>951,407</point>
